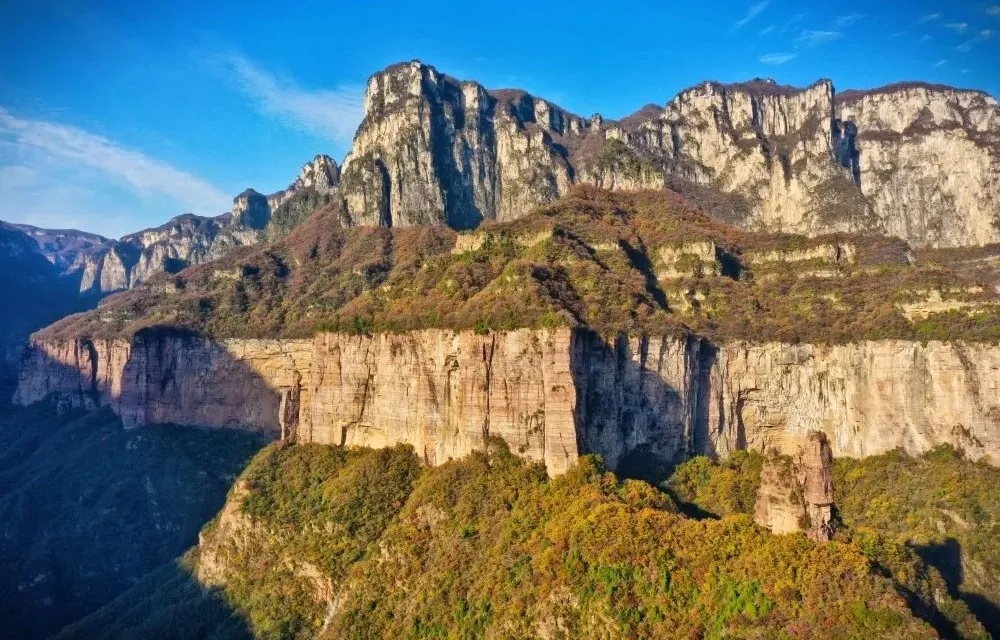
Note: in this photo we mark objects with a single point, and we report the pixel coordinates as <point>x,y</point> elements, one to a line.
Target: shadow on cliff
<point>88,507</point>
<point>171,375</point>
<point>626,412</point>
<point>946,557</point>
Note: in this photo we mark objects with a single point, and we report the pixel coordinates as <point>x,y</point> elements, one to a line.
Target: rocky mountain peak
<point>321,174</point>
<point>251,209</point>
<point>758,154</point>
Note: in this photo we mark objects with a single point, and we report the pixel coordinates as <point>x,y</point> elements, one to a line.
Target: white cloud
<point>930,17</point>
<point>966,46</point>
<point>899,34</point>
<point>777,58</point>
<point>766,30</point>
<point>333,114</point>
<point>52,145</point>
<point>925,38</point>
<point>752,13</point>
<point>957,27</point>
<point>993,10</point>
<point>965,71</point>
<point>844,21</point>
<point>810,38</point>
<point>940,63</point>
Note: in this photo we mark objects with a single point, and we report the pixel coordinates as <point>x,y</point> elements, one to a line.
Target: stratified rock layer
<point>918,161</point>
<point>642,403</point>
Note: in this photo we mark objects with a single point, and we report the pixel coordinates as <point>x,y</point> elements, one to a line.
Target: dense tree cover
<point>931,520</point>
<point>724,488</point>
<point>592,259</point>
<point>944,506</point>
<point>367,544</point>
<point>293,211</point>
<point>86,507</point>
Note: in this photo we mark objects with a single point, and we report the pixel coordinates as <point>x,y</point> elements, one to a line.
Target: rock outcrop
<point>101,266</point>
<point>796,491</point>
<point>435,149</point>
<point>927,158</point>
<point>34,294</point>
<point>251,210</point>
<point>168,377</point>
<point>642,403</point>
<point>321,175</point>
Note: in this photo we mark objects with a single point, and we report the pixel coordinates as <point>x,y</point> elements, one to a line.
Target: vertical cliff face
<point>641,403</point>
<point>640,400</point>
<point>868,397</point>
<point>772,145</point>
<point>435,149</point>
<point>796,491</point>
<point>928,159</point>
<point>156,378</point>
<point>251,210</point>
<point>444,393</point>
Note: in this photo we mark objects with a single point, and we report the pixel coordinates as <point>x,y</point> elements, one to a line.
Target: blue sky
<point>115,116</point>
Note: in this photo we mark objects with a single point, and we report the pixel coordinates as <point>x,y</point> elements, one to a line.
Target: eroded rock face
<point>444,392</point>
<point>868,397</point>
<point>251,210</point>
<point>102,266</point>
<point>170,379</point>
<point>435,149</point>
<point>641,403</point>
<point>796,491</point>
<point>928,161</point>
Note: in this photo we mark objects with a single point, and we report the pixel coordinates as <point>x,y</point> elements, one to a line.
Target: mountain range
<point>719,296</point>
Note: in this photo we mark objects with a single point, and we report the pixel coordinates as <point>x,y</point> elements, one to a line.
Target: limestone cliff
<point>932,152</point>
<point>642,403</point>
<point>170,377</point>
<point>34,294</point>
<point>435,149</point>
<point>101,266</point>
<point>796,491</point>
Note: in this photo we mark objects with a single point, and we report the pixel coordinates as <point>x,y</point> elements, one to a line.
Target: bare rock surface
<point>553,395</point>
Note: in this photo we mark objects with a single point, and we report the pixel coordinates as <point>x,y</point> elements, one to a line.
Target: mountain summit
<point>435,149</point>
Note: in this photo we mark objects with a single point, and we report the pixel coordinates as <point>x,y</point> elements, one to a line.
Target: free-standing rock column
<point>796,492</point>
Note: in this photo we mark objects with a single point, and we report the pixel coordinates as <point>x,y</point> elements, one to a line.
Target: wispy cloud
<point>752,13</point>
<point>940,63</point>
<point>333,114</point>
<point>793,21</point>
<point>766,30</point>
<point>930,17</point>
<point>966,46</point>
<point>925,38</point>
<point>993,10</point>
<point>811,38</point>
<point>965,71</point>
<point>777,58</point>
<point>957,27</point>
<point>142,174</point>
<point>899,34</point>
<point>844,21</point>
